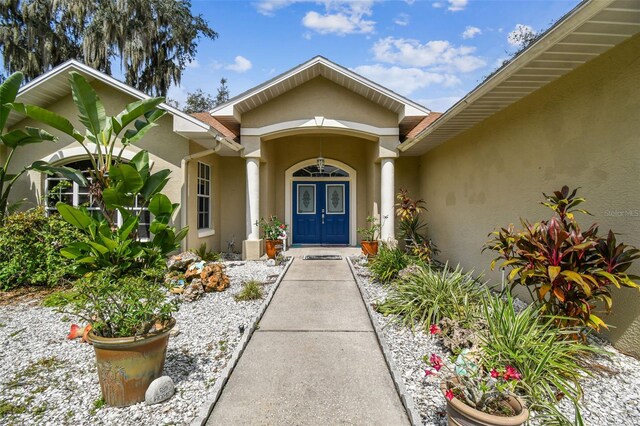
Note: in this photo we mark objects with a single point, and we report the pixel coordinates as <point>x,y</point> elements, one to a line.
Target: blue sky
<point>433,52</point>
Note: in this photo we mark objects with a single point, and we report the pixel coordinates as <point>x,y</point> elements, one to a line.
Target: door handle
<point>323,216</point>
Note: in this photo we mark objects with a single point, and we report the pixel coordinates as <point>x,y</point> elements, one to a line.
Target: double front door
<point>320,212</point>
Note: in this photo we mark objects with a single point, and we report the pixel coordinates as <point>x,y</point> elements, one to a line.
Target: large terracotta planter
<point>460,414</point>
<point>272,247</point>
<point>369,248</point>
<point>127,365</point>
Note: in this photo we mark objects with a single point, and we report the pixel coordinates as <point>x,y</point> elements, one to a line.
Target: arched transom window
<point>313,171</point>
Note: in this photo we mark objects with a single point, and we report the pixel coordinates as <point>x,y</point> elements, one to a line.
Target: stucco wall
<point>283,153</point>
<point>320,97</point>
<point>582,130</point>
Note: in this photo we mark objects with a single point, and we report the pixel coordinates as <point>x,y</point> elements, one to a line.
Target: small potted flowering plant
<point>274,231</point>
<point>476,396</point>
<point>370,235</point>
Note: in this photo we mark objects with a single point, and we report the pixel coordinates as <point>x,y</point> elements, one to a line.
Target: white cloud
<point>240,64</point>
<point>454,5</point>
<point>457,5</point>
<point>410,2</point>
<point>402,20</point>
<point>437,54</point>
<point>405,80</point>
<point>177,93</point>
<point>341,18</point>
<point>269,7</point>
<point>471,32</point>
<point>519,33</point>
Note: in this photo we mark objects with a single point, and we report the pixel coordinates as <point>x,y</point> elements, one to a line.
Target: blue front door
<point>320,212</point>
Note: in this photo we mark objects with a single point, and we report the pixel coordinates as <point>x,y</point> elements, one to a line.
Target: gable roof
<point>410,113</point>
<point>587,31</point>
<point>54,84</point>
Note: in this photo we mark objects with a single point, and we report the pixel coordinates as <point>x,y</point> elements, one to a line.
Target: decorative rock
<point>180,262</point>
<point>193,291</point>
<point>214,278</point>
<point>409,270</point>
<point>159,390</point>
<point>271,262</point>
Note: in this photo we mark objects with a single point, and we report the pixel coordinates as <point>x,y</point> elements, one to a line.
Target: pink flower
<point>449,394</point>
<point>495,374</point>
<point>434,329</point>
<point>511,374</point>
<point>429,373</point>
<point>436,362</point>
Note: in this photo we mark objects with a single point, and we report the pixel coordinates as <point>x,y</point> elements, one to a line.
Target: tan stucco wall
<point>582,130</point>
<point>282,153</point>
<point>166,149</point>
<point>320,97</point>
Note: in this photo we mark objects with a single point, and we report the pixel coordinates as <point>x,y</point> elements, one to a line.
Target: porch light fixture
<point>320,163</point>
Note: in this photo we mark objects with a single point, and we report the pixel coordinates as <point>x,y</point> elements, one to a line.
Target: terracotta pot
<point>369,248</point>
<point>460,414</point>
<point>127,365</point>
<point>272,247</point>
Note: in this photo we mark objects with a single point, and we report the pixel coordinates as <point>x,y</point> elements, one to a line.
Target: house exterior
<point>565,111</point>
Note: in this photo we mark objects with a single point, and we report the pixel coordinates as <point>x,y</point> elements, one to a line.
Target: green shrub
<point>388,262</point>
<point>206,255</point>
<point>251,290</point>
<point>121,306</point>
<point>549,362</point>
<point>429,295</point>
<point>30,245</point>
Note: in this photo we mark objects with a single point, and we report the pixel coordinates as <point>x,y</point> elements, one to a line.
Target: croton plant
<point>567,269</point>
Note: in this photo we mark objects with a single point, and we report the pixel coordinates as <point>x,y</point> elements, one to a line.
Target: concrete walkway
<point>314,360</point>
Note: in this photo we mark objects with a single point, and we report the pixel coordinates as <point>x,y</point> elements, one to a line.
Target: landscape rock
<point>214,278</point>
<point>271,262</point>
<point>181,261</point>
<point>193,291</point>
<point>409,270</point>
<point>159,390</point>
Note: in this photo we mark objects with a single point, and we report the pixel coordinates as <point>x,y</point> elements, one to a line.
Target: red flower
<point>495,374</point>
<point>434,329</point>
<point>449,394</point>
<point>282,226</point>
<point>429,373</point>
<point>436,362</point>
<point>511,374</point>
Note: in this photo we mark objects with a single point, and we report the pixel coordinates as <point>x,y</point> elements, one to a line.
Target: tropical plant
<point>251,290</point>
<point>30,244</point>
<point>115,185</point>
<point>566,269</point>
<point>17,138</point>
<point>470,382</point>
<point>205,254</point>
<point>153,39</point>
<point>550,365</point>
<point>387,263</point>
<point>372,231</point>
<point>429,295</point>
<point>120,306</point>
<point>272,229</point>
<point>425,251</point>
<point>407,207</point>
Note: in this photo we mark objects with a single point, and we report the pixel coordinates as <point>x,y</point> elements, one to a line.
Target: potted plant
<point>121,294</point>
<point>370,236</point>
<point>476,397</point>
<point>274,231</point>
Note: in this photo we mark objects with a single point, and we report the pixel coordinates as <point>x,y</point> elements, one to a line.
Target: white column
<point>253,198</point>
<point>387,199</point>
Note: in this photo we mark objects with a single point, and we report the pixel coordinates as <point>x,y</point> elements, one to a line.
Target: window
<point>204,196</point>
<point>57,188</point>
<point>313,171</point>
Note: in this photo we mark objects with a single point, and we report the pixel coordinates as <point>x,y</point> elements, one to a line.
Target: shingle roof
<point>207,118</point>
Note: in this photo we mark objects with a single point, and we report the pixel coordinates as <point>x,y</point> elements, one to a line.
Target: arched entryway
<point>320,206</point>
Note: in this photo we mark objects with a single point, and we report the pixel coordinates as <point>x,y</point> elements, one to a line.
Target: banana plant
<point>116,185</point>
<point>19,138</point>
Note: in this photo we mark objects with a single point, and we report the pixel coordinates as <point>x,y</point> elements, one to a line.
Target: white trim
<point>208,196</point>
<point>202,233</point>
<point>75,152</point>
<point>353,200</point>
<point>314,123</point>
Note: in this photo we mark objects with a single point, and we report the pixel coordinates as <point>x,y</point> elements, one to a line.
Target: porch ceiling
<point>589,30</point>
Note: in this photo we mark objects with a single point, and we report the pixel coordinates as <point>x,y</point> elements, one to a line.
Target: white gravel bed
<point>46,379</point>
<point>610,399</point>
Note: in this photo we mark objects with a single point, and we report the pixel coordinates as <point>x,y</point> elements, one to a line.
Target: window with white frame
<point>204,196</point>
<point>57,188</point>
